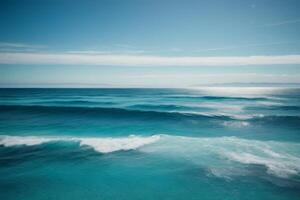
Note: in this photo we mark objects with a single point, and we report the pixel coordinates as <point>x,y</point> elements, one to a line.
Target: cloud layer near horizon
<point>142,60</point>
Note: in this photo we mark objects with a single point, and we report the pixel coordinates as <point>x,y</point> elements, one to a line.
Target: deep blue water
<point>209,143</point>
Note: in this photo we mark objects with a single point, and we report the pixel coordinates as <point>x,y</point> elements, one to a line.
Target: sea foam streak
<point>281,159</point>
<point>103,145</point>
<point>217,154</point>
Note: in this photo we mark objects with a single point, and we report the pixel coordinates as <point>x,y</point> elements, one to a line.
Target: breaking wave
<point>281,159</point>
<point>145,114</point>
<point>102,145</point>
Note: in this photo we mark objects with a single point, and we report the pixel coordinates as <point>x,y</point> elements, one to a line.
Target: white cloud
<point>93,52</point>
<point>142,60</point>
<point>149,80</point>
<point>199,78</point>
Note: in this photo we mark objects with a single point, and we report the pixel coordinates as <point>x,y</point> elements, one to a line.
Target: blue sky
<point>144,43</point>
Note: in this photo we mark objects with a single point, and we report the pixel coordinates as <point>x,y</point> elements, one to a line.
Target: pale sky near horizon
<point>148,43</point>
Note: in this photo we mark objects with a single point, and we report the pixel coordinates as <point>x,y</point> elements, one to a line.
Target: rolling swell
<point>275,107</point>
<point>77,111</point>
<point>107,112</point>
<point>166,107</point>
<point>280,159</point>
<point>216,98</point>
<point>75,102</point>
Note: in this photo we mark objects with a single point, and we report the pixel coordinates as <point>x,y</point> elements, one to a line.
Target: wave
<point>186,109</point>
<point>274,107</point>
<point>78,112</point>
<point>161,107</point>
<point>221,156</point>
<point>102,145</point>
<point>56,103</point>
<point>74,102</point>
<point>109,111</point>
<point>219,97</point>
<point>100,112</point>
<point>281,159</point>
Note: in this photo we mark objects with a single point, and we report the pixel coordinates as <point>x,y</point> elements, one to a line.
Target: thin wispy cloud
<point>176,49</point>
<point>88,52</point>
<point>142,60</point>
<point>121,52</point>
<point>124,46</point>
<point>198,78</point>
<point>218,49</point>
<point>19,45</point>
<point>247,45</point>
<point>283,23</point>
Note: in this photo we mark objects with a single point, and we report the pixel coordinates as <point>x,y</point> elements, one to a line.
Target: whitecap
<point>102,145</point>
<point>236,124</point>
<point>9,141</point>
<point>281,159</point>
<point>107,145</point>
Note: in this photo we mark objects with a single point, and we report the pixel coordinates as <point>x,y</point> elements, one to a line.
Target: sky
<point>148,43</point>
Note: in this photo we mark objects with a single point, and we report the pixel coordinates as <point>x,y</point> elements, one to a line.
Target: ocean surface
<point>127,144</point>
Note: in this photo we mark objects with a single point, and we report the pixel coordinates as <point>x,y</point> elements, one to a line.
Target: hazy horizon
<point>102,86</point>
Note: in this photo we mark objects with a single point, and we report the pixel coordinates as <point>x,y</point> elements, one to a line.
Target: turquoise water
<point>209,143</point>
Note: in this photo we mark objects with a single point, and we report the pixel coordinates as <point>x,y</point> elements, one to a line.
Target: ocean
<point>127,144</point>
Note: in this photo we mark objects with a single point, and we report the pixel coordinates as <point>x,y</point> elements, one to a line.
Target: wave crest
<point>281,159</point>
<point>102,145</point>
<point>107,145</point>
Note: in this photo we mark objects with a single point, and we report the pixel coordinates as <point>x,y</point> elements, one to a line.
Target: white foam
<point>281,159</point>
<point>221,107</point>
<point>103,145</point>
<point>8,141</point>
<point>246,116</point>
<point>236,124</point>
<point>277,167</point>
<point>107,145</point>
